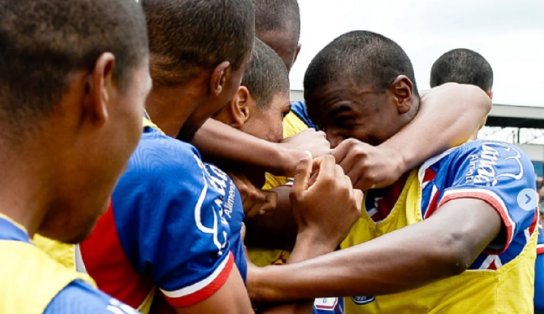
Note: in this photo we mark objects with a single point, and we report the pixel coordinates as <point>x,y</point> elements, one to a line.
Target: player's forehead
<point>337,93</point>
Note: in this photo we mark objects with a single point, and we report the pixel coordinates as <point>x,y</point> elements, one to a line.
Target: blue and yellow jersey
<point>32,282</point>
<point>61,252</point>
<point>174,224</point>
<point>500,279</point>
<point>295,121</point>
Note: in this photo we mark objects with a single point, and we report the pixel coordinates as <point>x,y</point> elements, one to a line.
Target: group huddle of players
<point>152,161</point>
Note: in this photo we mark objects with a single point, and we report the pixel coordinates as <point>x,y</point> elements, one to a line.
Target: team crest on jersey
<point>326,304</point>
<point>483,166</point>
<point>363,299</point>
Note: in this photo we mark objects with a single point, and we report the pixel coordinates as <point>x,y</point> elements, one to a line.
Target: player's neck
<point>169,107</point>
<point>24,189</point>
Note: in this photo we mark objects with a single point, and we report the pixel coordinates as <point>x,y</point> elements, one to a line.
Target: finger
<point>302,176</point>
<point>361,183</point>
<point>365,183</point>
<point>250,208</point>
<point>254,210</point>
<point>341,150</point>
<point>351,157</point>
<point>325,167</point>
<point>270,203</point>
<point>243,232</point>
<point>358,194</point>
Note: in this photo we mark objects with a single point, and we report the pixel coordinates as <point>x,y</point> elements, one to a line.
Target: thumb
<point>341,150</point>
<point>302,175</point>
<point>358,194</point>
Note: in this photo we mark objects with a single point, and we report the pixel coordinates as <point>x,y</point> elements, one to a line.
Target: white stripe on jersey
<point>489,260</point>
<point>198,285</point>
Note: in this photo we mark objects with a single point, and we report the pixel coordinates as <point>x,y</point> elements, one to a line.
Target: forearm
<point>366,269</point>
<point>398,261</point>
<point>448,116</point>
<point>217,139</point>
<point>275,229</point>
<point>305,248</point>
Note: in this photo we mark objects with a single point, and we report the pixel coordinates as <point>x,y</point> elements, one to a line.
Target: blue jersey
<point>48,287</point>
<point>174,223</point>
<point>475,170</point>
<point>299,109</point>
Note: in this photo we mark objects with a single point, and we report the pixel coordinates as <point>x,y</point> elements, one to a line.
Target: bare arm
<point>448,116</point>
<point>321,224</point>
<point>223,141</point>
<point>230,298</point>
<point>397,261</point>
<point>274,229</point>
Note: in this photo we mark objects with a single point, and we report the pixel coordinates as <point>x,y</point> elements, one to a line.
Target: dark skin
<point>461,229</point>
<point>395,262</point>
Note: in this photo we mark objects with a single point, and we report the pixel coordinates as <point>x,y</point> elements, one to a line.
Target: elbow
<point>483,99</point>
<point>453,256</point>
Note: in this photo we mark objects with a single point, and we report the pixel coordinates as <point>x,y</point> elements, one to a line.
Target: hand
<point>299,145</point>
<point>255,200</point>
<point>324,203</point>
<point>368,166</point>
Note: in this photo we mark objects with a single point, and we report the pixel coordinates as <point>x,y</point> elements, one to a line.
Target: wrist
<point>289,159</point>
<point>252,283</point>
<point>401,157</point>
<point>310,244</point>
<point>261,284</point>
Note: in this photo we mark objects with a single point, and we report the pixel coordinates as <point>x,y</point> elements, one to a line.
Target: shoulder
<point>158,148</point>
<point>486,159</point>
<point>160,160</point>
<point>79,298</point>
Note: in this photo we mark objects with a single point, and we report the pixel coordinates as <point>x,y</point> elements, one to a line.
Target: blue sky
<point>508,33</point>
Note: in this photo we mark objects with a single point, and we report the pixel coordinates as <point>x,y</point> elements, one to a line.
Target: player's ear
<point>219,77</point>
<point>490,94</point>
<point>242,109</point>
<point>296,53</point>
<point>99,90</point>
<point>237,111</point>
<point>401,88</point>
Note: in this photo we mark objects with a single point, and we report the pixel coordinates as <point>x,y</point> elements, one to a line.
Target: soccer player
<point>457,234</point>
<point>73,81</point>
<point>463,66</point>
<point>174,223</point>
<point>259,106</point>
<point>278,25</point>
<point>466,66</point>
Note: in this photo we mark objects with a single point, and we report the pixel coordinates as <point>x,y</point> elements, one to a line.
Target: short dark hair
<point>43,41</point>
<point>462,66</point>
<point>278,16</point>
<point>186,36</point>
<point>266,75</point>
<point>361,56</point>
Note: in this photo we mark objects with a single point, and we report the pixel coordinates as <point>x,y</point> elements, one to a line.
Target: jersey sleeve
<point>80,298</point>
<point>503,177</point>
<point>170,219</point>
